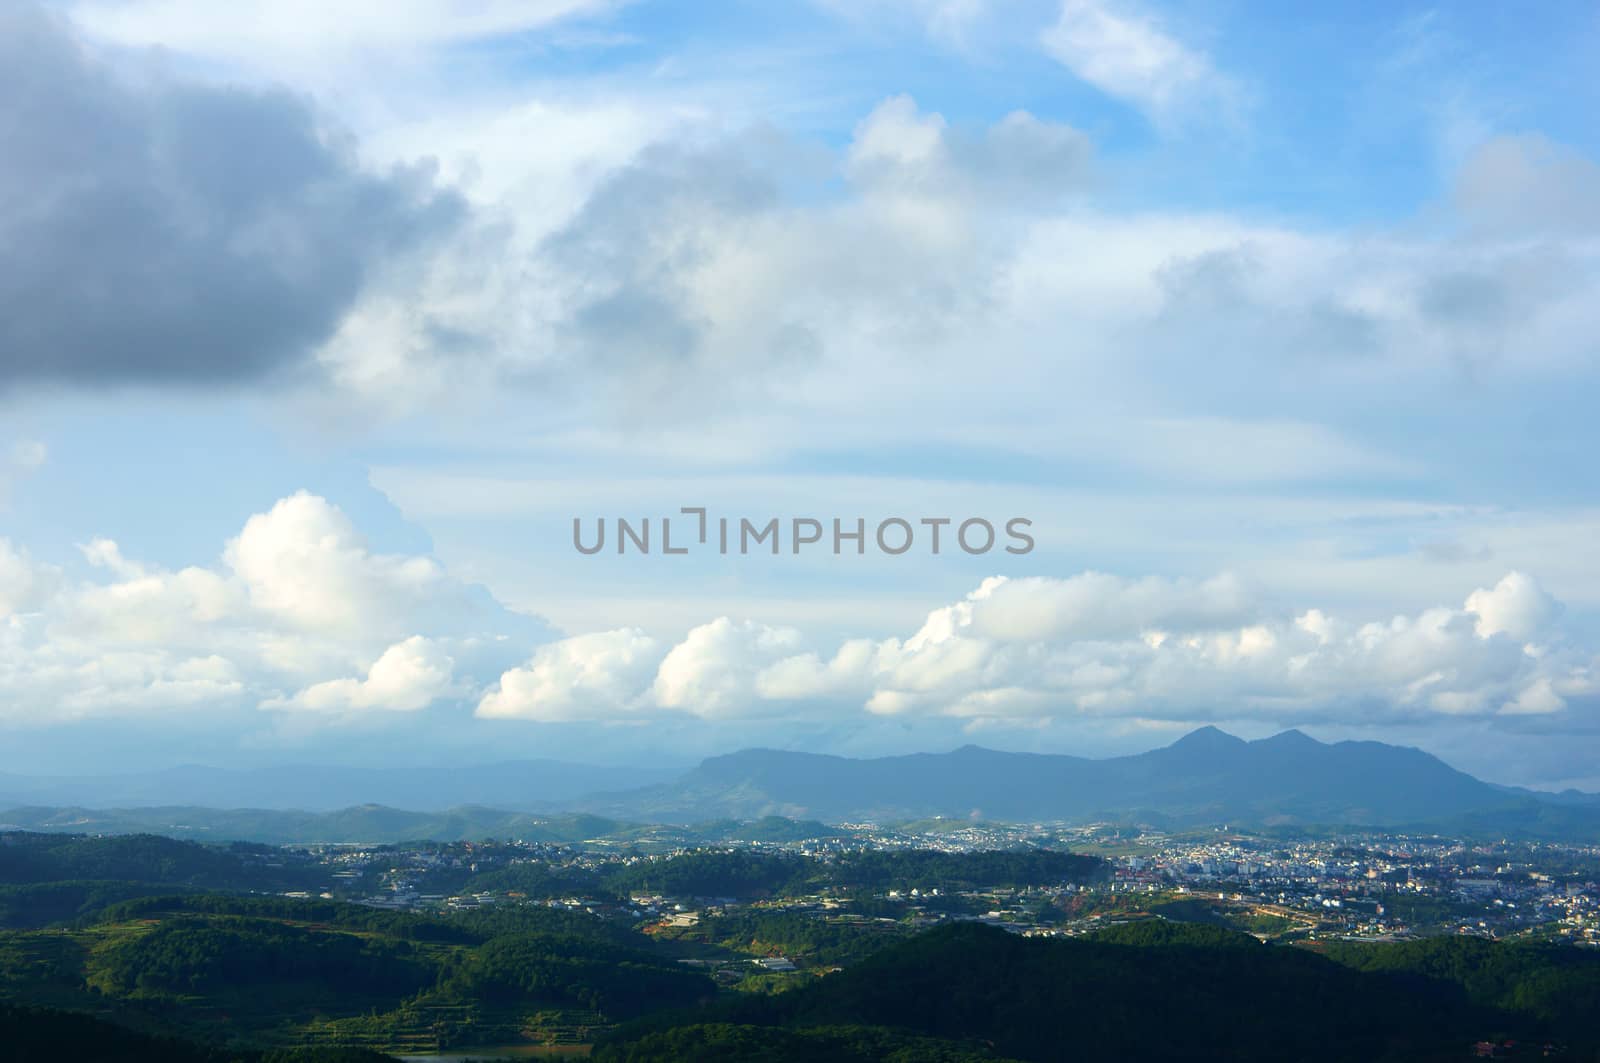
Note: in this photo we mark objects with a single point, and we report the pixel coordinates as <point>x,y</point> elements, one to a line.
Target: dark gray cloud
<point>167,232</point>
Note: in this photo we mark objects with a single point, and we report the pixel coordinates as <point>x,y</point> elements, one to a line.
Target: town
<point>1354,886</point>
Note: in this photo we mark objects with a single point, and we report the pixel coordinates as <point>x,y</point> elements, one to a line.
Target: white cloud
<point>298,602</point>
<point>24,583</point>
<point>1097,605</point>
<point>304,561</point>
<point>901,149</point>
<point>597,676</point>
<point>1516,606</point>
<point>1031,651</point>
<point>241,31</point>
<point>410,676</point>
<point>1133,58</point>
<point>713,671</point>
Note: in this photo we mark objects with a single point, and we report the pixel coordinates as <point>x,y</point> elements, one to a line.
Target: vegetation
<point>1557,986</point>
<point>564,970</point>
<point>712,873</point>
<point>743,873</point>
<point>801,936</point>
<point>1153,990</point>
<point>728,1043</point>
<point>38,1035</point>
<point>181,972</point>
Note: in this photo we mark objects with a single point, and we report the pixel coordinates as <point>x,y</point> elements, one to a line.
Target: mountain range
<point>1206,778</point>
<point>521,785</point>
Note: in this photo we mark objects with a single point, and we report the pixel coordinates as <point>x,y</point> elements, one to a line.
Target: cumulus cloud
<point>1516,606</point>
<point>154,230</point>
<point>713,671</point>
<point>301,615</point>
<point>304,561</point>
<point>1031,651</point>
<point>597,676</point>
<point>411,675</point>
<point>297,602</point>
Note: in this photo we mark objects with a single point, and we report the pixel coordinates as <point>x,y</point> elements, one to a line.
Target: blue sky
<point>322,322</point>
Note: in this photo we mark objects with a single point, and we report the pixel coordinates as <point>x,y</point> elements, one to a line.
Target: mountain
<point>372,824</point>
<point>521,785</point>
<point>1207,777</point>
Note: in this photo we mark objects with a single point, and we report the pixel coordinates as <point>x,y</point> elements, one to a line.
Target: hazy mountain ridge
<point>522,785</point>
<point>372,824</point>
<point>1206,777</point>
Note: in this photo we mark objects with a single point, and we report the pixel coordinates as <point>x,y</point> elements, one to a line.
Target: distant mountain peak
<point>1294,738</point>
<point>1208,738</point>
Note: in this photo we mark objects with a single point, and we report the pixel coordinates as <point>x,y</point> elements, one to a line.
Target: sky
<point>321,323</point>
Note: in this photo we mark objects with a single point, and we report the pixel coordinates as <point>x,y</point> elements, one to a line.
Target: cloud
<point>946,20</point>
<point>1029,652</point>
<point>410,676</point>
<point>689,273</point>
<point>1528,185</point>
<point>242,31</point>
<point>303,561</point>
<point>297,602</point>
<point>1516,606</point>
<point>900,148</point>
<point>598,676</point>
<point>24,584</point>
<point>158,231</point>
<point>1133,58</point>
<point>712,672</point>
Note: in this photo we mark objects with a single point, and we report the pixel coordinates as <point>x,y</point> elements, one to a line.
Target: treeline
<point>563,970</point>
<point>739,873</point>
<point>41,1035</point>
<point>1156,991</point>
<point>354,917</point>
<point>799,935</point>
<point>263,961</point>
<point>729,1043</point>
<point>34,858</point>
<point>47,903</point>
<point>53,879</point>
<point>1557,985</point>
<point>196,955</point>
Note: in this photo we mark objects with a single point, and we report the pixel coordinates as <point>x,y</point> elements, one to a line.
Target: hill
<point>1207,777</point>
<point>372,824</point>
<point>1150,991</point>
<point>524,785</point>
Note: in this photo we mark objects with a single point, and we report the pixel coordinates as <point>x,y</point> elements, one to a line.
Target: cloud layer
<point>298,614</point>
<point>1091,645</point>
<point>162,231</point>
<point>301,615</point>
